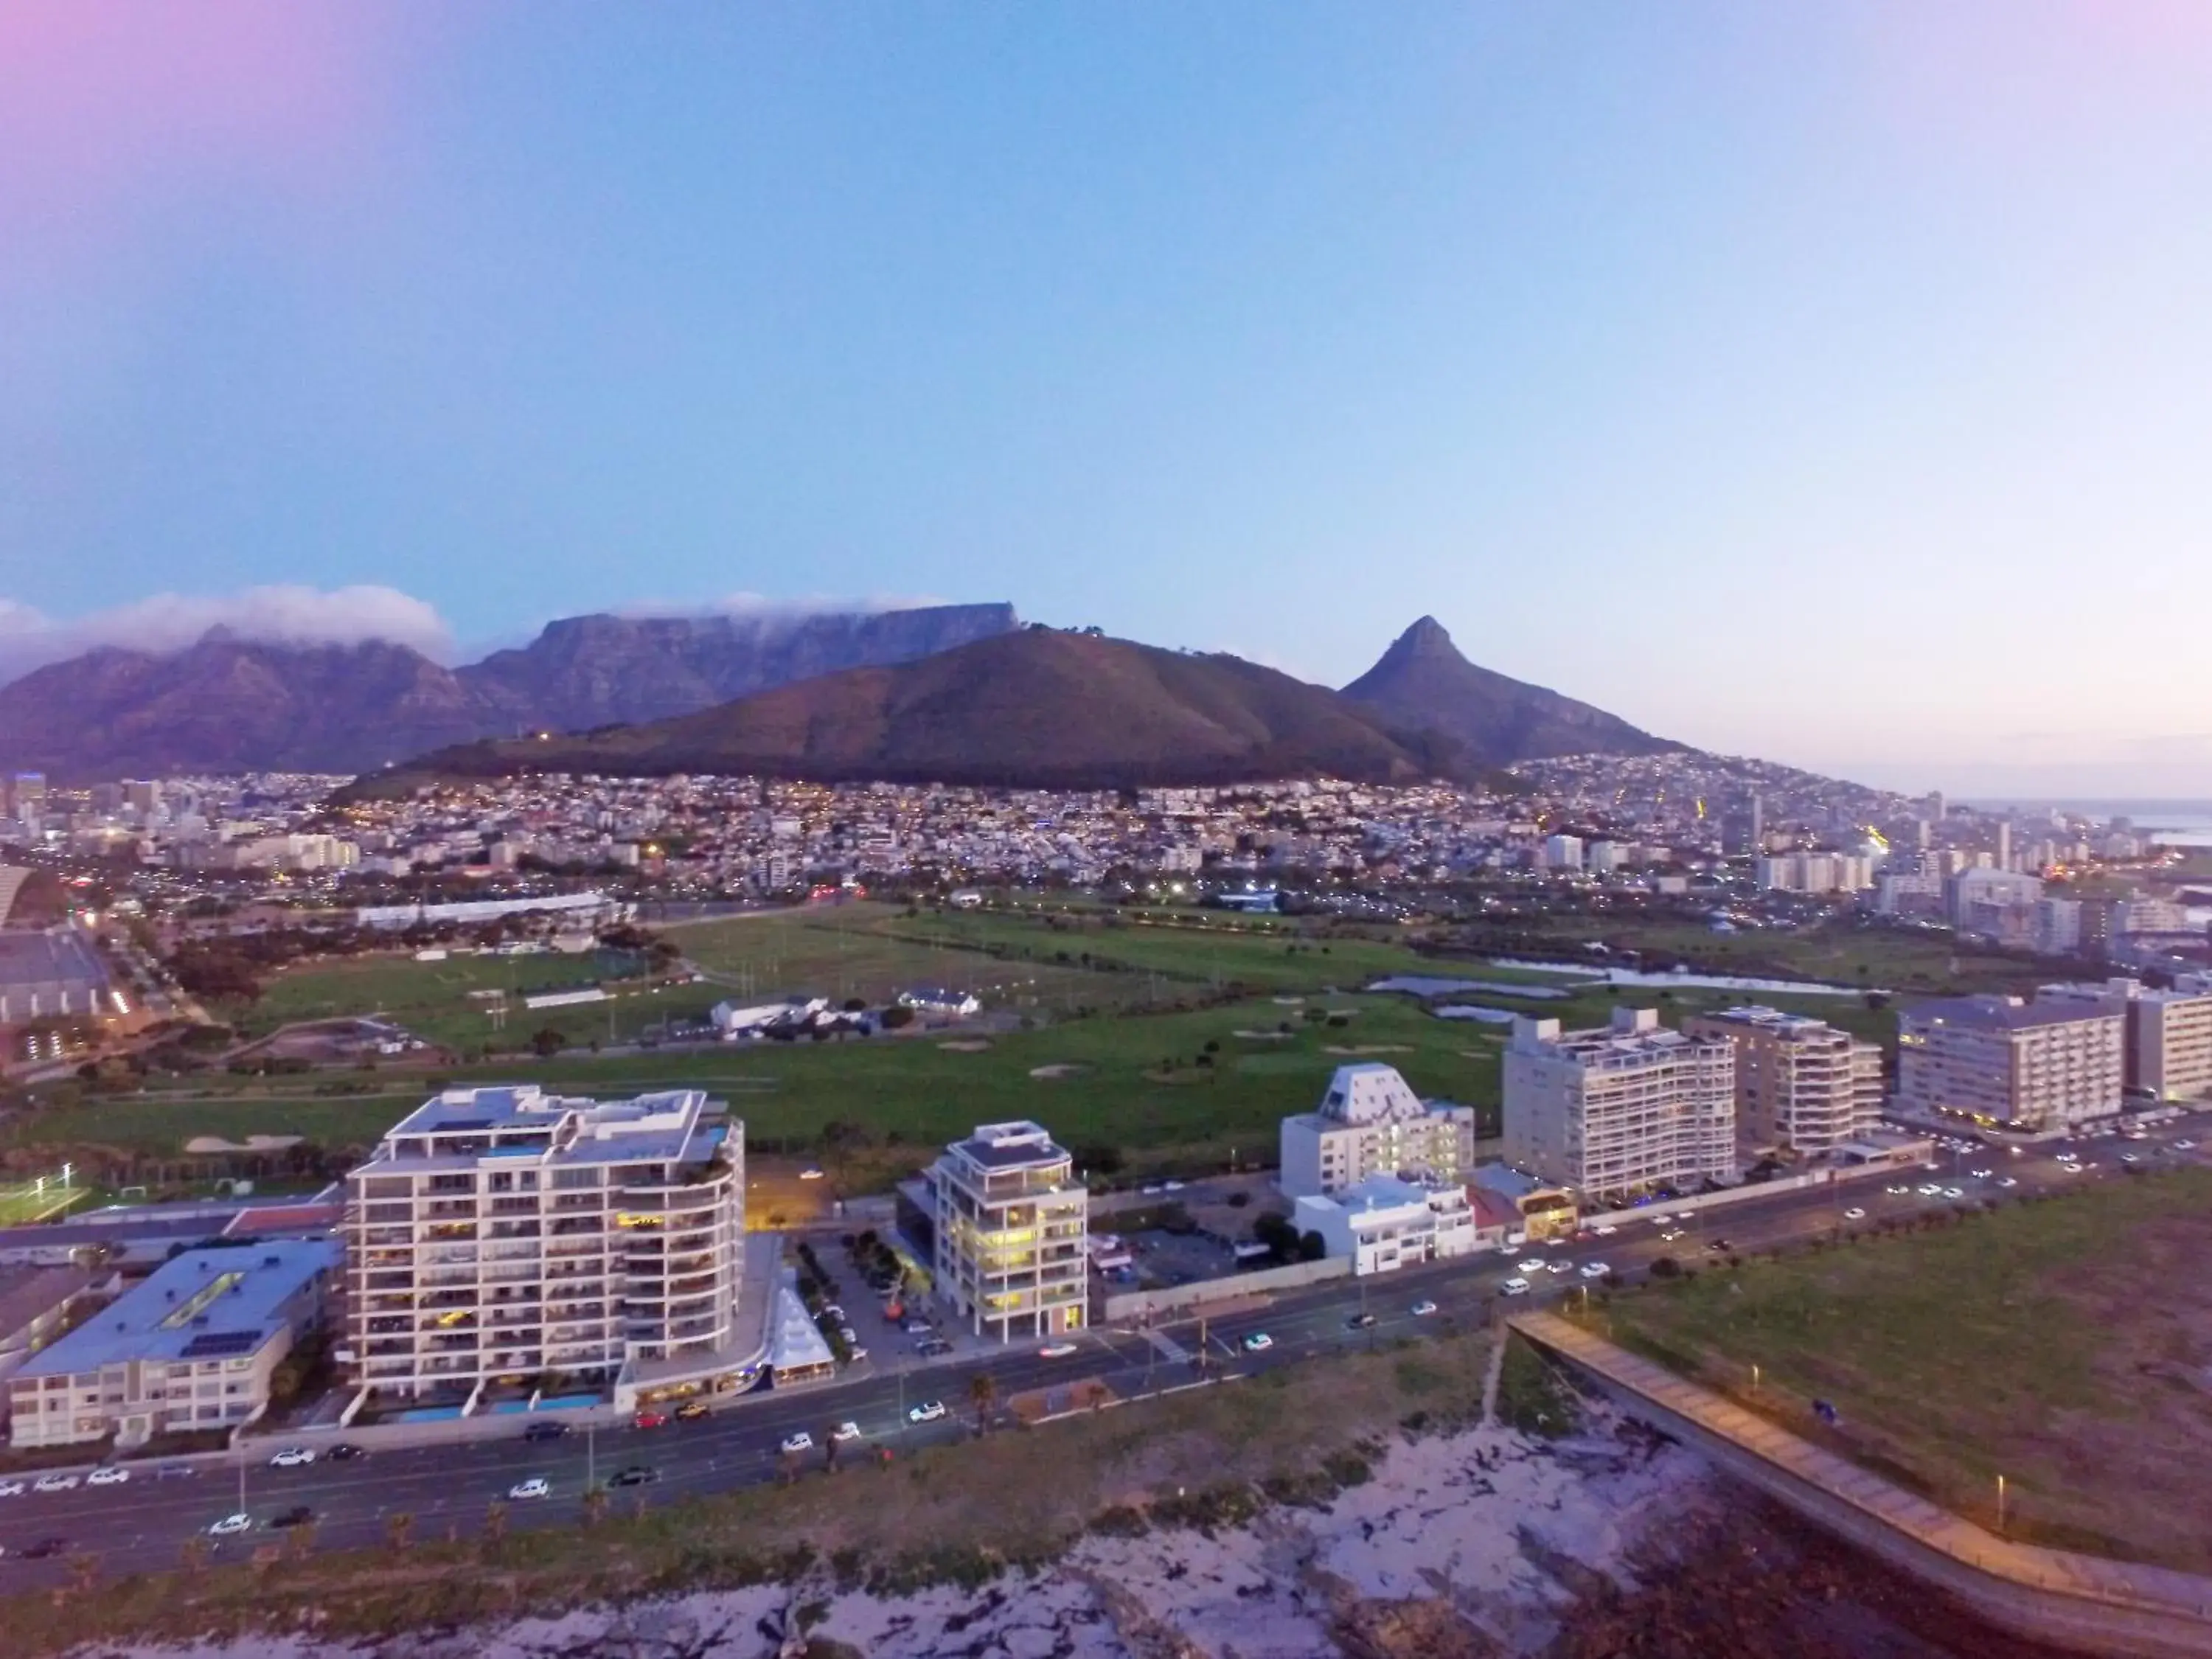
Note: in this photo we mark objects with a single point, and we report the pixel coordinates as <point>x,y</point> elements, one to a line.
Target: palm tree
<point>982,1393</point>
<point>399,1531</point>
<point>495,1527</point>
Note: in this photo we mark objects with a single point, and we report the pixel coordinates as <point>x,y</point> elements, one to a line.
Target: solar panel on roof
<point>220,1345</point>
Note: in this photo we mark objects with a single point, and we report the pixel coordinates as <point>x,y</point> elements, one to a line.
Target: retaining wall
<point>1181,1299</point>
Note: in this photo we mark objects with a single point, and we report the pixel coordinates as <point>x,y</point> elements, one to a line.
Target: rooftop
<point>1998,1013</point>
<point>204,1304</point>
<point>463,1125</point>
<point>1010,1146</point>
<point>1370,1092</point>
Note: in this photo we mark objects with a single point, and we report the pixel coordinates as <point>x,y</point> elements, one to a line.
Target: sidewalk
<point>2171,1598</point>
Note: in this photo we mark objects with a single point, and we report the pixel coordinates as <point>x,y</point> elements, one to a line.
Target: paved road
<point>142,1526</point>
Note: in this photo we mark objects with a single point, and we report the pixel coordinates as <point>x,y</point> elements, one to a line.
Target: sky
<point>1824,383</point>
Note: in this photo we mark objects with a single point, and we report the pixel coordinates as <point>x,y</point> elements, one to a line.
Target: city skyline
<point>1779,384</point>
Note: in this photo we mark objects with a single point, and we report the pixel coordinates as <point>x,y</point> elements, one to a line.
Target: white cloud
<point>170,621</point>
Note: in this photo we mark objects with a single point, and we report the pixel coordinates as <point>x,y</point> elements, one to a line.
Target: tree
<point>399,1531</point>
<point>830,1445</point>
<point>548,1043</point>
<point>1312,1247</point>
<point>983,1394</point>
<point>896,1017</point>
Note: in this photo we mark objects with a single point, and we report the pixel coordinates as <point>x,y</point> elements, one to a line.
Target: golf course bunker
<point>1264,1036</point>
<point>215,1144</point>
<point>967,1046</point>
<point>1064,1068</point>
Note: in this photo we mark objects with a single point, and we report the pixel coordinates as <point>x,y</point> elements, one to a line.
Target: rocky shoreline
<point>1482,1545</point>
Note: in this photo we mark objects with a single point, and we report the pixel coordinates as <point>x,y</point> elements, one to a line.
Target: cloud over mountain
<point>285,615</point>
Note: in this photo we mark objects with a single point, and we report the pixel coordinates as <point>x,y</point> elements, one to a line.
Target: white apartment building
<point>194,1348</point>
<point>1622,1109</point>
<point>1384,1222</point>
<point>1563,852</point>
<point>1976,899</point>
<point>2169,1035</point>
<point>1371,1122</point>
<point>1801,1084</point>
<point>504,1232</point>
<point>1816,873</point>
<point>1012,1233</point>
<point>2041,1066</point>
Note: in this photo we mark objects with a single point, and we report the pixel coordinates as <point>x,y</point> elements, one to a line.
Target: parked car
<point>107,1474</point>
<point>175,1472</point>
<point>1534,1264</point>
<point>293,1457</point>
<point>691,1411</point>
<point>1854,1213</point>
<point>857,1352</point>
<point>928,1411</point>
<point>231,1525</point>
<point>536,1486</point>
<point>1515,1288</point>
<point>1359,1321</point>
<point>1056,1351</point>
<point>800,1442</point>
<point>845,1432</point>
<point>12,1489</point>
<point>1423,1308</point>
<point>1595,1270</point>
<point>637,1475</point>
<point>651,1419</point>
<point>55,1483</point>
<point>344,1452</point>
<point>1258,1342</point>
<point>546,1430</point>
<point>298,1516</point>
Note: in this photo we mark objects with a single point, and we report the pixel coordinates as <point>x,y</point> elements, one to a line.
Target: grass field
<point>1206,1457</point>
<point>1840,953</point>
<point>25,1201</point>
<point>2064,1344</point>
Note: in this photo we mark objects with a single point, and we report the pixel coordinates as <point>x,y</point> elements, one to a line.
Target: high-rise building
<point>1800,1083</point>
<point>2040,1065</point>
<point>1371,1122</point>
<point>1012,1228</point>
<point>498,1232</point>
<point>1622,1109</point>
<point>2169,1033</point>
<point>1563,852</point>
<point>1743,827</point>
<point>27,795</point>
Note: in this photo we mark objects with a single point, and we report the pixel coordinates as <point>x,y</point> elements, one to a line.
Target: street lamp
<point>2001,1504</point>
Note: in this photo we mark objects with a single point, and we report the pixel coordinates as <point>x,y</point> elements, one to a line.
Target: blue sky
<point>1826,383</point>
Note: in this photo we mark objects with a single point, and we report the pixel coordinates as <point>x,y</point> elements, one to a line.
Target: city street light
<point>2001,1504</point>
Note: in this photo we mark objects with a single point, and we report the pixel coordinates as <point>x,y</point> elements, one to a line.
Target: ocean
<point>2169,822</point>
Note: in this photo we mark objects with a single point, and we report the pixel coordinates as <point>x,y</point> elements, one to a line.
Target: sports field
<point>2065,1343</point>
<point>25,1201</point>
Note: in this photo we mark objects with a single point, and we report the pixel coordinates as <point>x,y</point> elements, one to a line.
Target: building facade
<point>504,1232</point>
<point>1012,1233</point>
<point>1801,1084</point>
<point>1384,1223</point>
<point>2033,1067</point>
<point>1371,1122</point>
<point>2168,1054</point>
<point>1623,1109</point>
<point>194,1348</point>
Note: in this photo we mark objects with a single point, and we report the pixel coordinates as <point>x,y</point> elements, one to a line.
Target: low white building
<point>1384,1222</point>
<point>938,1002</point>
<point>734,1019</point>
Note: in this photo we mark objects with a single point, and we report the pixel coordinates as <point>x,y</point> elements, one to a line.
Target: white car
<point>1170,1185</point>
<point>1606,1231</point>
<point>810,1174</point>
<point>1561,1267</point>
<point>1855,1214</point>
<point>1056,1351</point>
<point>2007,1181</point>
<point>1423,1308</point>
<point>1150,1192</point>
<point>1954,1192</point>
<point>1670,1235</point>
<point>107,1475</point>
<point>801,1442</point>
<point>1929,1189</point>
<point>2073,1169</point>
<point>2185,1145</point>
<point>2129,1157</point>
<point>1898,1192</point>
<point>11,1489</point>
<point>1534,1264</point>
<point>1515,1288</point>
<point>55,1483</point>
<point>928,1411</point>
<point>1258,1342</point>
<point>536,1486</point>
<point>1595,1270</point>
<point>231,1525</point>
<point>845,1432</point>
<point>293,1457</point>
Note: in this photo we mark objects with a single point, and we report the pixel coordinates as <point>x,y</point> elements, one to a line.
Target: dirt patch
<point>1264,1036</point>
<point>966,1046</point>
<point>209,1145</point>
<point>1046,1073</point>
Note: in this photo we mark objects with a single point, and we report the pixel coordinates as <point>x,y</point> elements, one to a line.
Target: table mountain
<point>1423,682</point>
<point>227,704</point>
<point>1038,709</point>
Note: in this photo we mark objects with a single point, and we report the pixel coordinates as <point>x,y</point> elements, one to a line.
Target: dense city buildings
<point>1371,1122</point>
<point>1625,1109</point>
<point>195,1348</point>
<point>1802,1084</point>
<point>1012,1233</point>
<point>2037,1066</point>
<point>503,1232</point>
